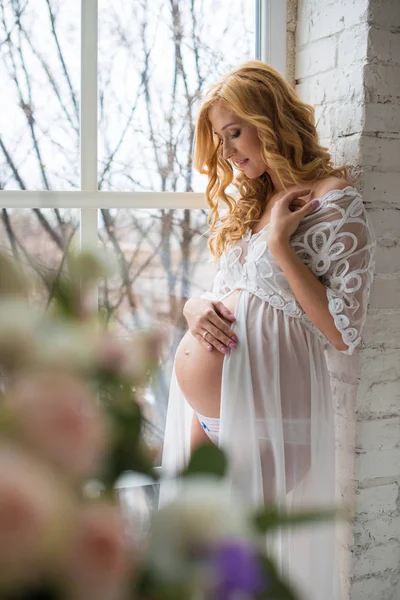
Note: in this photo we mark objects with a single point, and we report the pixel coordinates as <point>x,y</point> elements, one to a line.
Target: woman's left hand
<point>287,213</point>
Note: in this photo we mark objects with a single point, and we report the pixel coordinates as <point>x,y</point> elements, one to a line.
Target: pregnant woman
<point>295,263</point>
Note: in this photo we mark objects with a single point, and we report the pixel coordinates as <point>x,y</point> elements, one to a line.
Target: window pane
<point>38,239</point>
<point>39,106</point>
<point>163,260</point>
<point>157,59</point>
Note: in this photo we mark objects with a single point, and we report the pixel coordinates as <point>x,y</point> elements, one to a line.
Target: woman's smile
<point>240,143</point>
<point>241,163</point>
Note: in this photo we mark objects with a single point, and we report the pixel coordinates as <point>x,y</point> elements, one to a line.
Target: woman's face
<point>240,142</point>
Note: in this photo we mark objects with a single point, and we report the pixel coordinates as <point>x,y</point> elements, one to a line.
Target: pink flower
<point>35,512</point>
<point>58,415</point>
<point>99,563</point>
<point>111,352</point>
<point>129,358</point>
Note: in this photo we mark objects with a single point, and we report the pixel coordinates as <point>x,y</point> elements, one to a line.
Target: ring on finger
<point>204,334</point>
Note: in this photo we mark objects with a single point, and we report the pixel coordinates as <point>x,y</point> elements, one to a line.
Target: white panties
<point>295,431</point>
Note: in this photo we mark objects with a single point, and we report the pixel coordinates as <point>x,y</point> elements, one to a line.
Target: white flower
<point>64,345</point>
<point>203,514</point>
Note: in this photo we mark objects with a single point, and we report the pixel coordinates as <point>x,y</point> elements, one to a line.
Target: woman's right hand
<point>208,323</point>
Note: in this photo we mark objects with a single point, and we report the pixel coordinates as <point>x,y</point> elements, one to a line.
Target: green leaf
<point>207,459</point>
<point>128,450</point>
<point>270,517</point>
<point>277,588</point>
<point>147,585</point>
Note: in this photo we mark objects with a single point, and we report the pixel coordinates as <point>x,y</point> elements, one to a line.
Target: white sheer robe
<point>276,420</point>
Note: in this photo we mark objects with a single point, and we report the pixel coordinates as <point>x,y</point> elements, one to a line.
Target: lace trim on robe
<point>336,242</point>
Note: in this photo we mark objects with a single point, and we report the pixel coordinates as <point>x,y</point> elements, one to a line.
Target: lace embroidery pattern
<point>336,242</point>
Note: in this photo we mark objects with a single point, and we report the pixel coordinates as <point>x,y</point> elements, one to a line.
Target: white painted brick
<point>316,57</point>
<point>345,410</point>
<point>384,117</point>
<point>379,434</point>
<point>339,120</point>
<point>357,97</point>
<point>345,458</point>
<point>384,46</point>
<point>382,81</point>
<point>383,154</point>
<point>304,12</point>
<point>387,259</point>
<point>379,463</point>
<point>333,86</point>
<point>346,150</point>
<point>381,187</point>
<point>379,530</point>
<point>345,483</point>
<point>345,563</point>
<point>377,366</point>
<point>352,45</point>
<point>386,224</point>
<point>316,21</point>
<point>344,396</point>
<point>374,588</point>
<point>344,534</point>
<point>378,499</point>
<point>337,16</point>
<point>377,559</point>
<point>385,293</point>
<point>291,17</point>
<point>325,120</point>
<point>381,399</point>
<point>385,13</point>
<point>343,367</point>
<point>349,118</point>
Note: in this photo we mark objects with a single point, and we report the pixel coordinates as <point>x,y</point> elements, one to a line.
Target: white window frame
<point>270,47</point>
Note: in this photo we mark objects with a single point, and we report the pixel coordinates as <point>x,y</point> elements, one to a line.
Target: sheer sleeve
<point>219,287</point>
<point>340,249</point>
<point>213,294</point>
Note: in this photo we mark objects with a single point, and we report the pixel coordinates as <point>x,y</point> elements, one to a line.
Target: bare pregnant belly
<point>199,371</point>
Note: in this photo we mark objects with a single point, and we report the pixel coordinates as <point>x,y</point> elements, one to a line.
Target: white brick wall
<point>347,65</point>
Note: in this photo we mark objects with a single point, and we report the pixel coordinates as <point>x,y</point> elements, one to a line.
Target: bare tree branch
<point>12,165</point>
<point>52,81</point>
<point>61,57</point>
<point>196,41</point>
<point>47,227</point>
<point>108,223</point>
<point>11,234</point>
<point>121,139</point>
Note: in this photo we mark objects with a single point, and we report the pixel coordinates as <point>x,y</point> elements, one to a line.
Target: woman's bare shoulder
<point>329,184</point>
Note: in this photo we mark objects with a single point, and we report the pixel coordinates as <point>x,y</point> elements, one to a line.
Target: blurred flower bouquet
<point>70,425</point>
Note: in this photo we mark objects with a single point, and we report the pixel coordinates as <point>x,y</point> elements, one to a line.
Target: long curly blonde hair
<point>259,95</point>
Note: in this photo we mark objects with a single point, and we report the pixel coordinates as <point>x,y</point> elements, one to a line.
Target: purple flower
<point>237,569</point>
